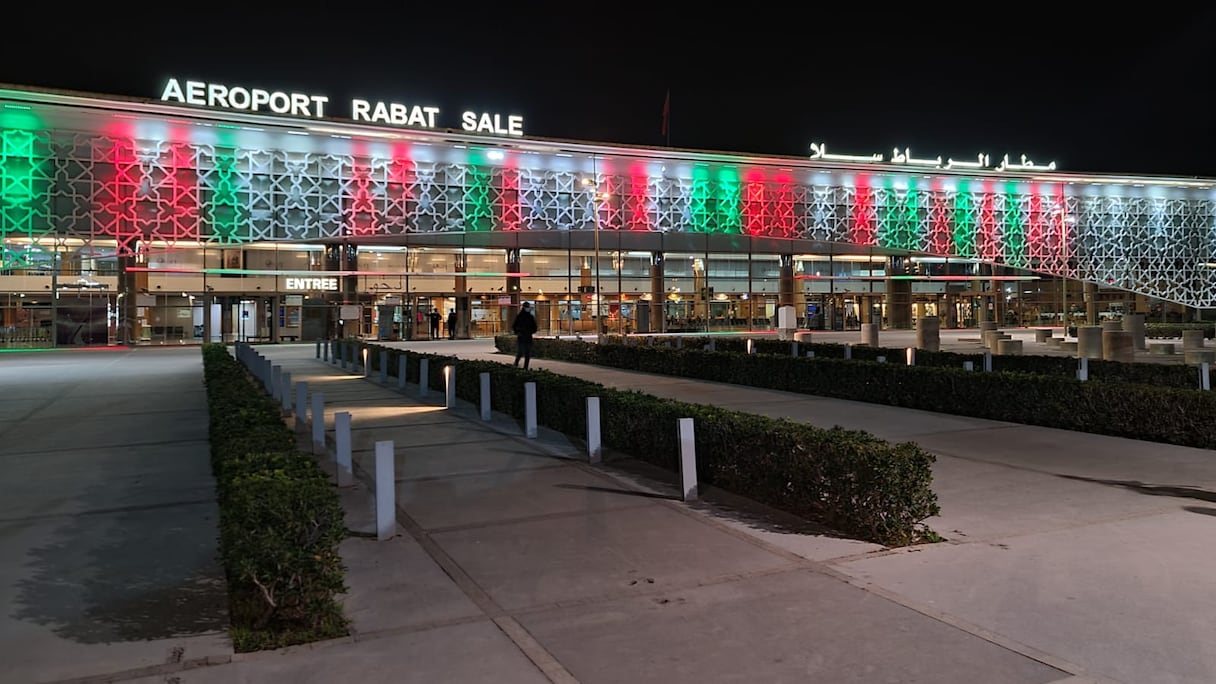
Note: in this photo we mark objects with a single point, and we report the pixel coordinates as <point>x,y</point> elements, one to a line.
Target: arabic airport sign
<point>310,106</point>
<point>905,158</point>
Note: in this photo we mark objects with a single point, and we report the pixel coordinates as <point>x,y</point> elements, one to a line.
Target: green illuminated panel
<point>478,205</point>
<point>25,182</point>
<point>1014,229</point>
<point>963,235</point>
<point>225,208</point>
<point>730,202</point>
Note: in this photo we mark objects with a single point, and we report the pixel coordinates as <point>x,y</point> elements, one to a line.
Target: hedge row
<point>1156,374</point>
<point>280,518</point>
<point>1160,414</point>
<point>849,481</point>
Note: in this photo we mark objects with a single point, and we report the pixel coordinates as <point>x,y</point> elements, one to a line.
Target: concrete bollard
<point>325,350</point>
<point>869,334</point>
<point>401,368</point>
<point>751,346</point>
<point>285,392</point>
<point>848,351</point>
<point>794,349</point>
<point>449,386</point>
<point>344,354</point>
<point>713,344</point>
<point>530,410</point>
<point>386,492</point>
<point>484,378</point>
<point>1083,368</point>
<point>383,367</point>
<point>910,356</point>
<point>301,404</point>
<point>810,354</point>
<point>363,358</point>
<point>1205,377</point>
<point>318,422</point>
<point>424,377</point>
<point>688,459</point>
<point>968,366</point>
<point>987,362</point>
<point>594,450</point>
<point>1118,345</point>
<point>1089,341</point>
<point>342,449</point>
<point>1009,347</point>
<point>929,333</point>
<point>880,359</point>
<point>318,349</point>
<point>276,383</point>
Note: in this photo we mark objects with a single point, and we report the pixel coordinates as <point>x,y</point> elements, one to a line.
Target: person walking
<point>524,327</point>
<point>451,324</point>
<point>434,319</point>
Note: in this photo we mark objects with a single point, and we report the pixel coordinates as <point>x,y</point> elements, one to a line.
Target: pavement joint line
<point>110,511</point>
<point>148,671</point>
<point>116,448</point>
<point>478,473</point>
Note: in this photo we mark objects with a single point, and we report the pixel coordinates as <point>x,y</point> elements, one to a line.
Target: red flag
<point>666,110</point>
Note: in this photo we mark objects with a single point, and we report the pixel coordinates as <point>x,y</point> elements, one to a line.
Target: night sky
<point>1091,91</point>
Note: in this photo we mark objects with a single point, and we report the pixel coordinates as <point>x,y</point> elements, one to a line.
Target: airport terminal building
<point>218,212</point>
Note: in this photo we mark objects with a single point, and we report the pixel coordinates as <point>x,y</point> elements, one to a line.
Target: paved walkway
<point>1070,558</point>
<point>108,557</point>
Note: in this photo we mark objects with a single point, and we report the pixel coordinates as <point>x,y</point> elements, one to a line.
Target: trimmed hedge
<point>280,518</point>
<point>847,480</point>
<point>1136,411</point>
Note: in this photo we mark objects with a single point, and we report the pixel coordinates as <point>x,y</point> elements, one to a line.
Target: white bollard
<point>530,409</point>
<point>367,367</point>
<point>968,366</point>
<point>688,460</point>
<point>276,382</point>
<point>449,386</point>
<point>318,349</point>
<point>987,362</point>
<point>485,395</point>
<point>285,392</point>
<point>881,359</point>
<point>325,350</point>
<point>713,345</point>
<point>301,404</point>
<point>318,422</point>
<point>345,355</point>
<point>848,351</point>
<point>342,448</point>
<point>911,354</point>
<point>384,368</point>
<point>810,354</point>
<point>751,346</point>
<point>424,374</point>
<point>386,492</point>
<point>594,450</point>
<point>794,349</point>
<point>1083,368</point>
<point>1205,378</point>
<point>401,366</point>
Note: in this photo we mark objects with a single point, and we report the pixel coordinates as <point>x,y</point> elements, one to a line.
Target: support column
<point>658,294</point>
<point>464,309</point>
<point>208,302</point>
<point>226,327</point>
<point>129,286</point>
<point>1091,303</point>
<point>899,296</point>
<point>511,286</point>
<point>785,284</point>
<point>275,303</point>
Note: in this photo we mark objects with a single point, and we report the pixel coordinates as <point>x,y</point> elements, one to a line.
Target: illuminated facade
<point>177,223</point>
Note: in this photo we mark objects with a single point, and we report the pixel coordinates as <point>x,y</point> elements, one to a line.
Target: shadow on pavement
<point>1183,491</point>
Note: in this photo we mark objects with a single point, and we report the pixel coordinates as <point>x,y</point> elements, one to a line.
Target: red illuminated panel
<point>864,217</point>
<point>782,212</point>
<point>178,195</point>
<point>939,223</point>
<point>117,196</point>
<point>754,208</point>
<point>1035,238</point>
<point>637,201</point>
<point>987,244</point>
<point>510,207</point>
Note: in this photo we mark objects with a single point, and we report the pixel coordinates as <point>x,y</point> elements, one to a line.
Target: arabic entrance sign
<point>905,158</point>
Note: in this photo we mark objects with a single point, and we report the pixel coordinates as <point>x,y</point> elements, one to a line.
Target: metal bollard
<point>485,395</point>
<point>530,410</point>
<point>594,450</point>
<point>688,460</point>
<point>386,492</point>
<point>318,422</point>
<point>342,448</point>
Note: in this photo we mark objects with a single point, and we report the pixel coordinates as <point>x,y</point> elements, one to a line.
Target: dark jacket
<point>524,325</point>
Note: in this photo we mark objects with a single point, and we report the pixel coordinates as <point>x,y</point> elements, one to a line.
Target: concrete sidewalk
<point>518,562</point>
